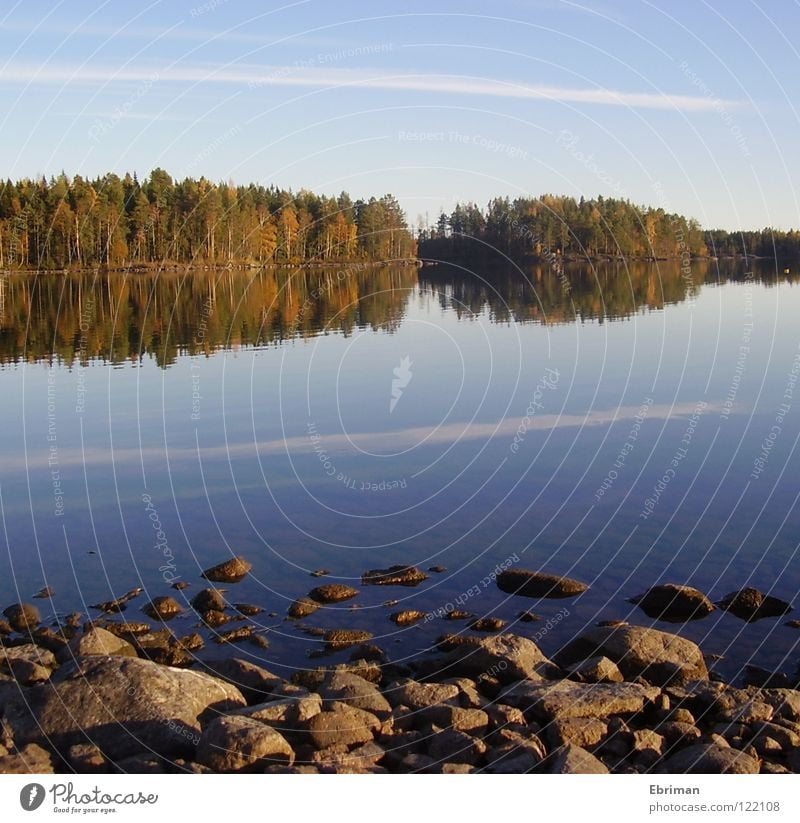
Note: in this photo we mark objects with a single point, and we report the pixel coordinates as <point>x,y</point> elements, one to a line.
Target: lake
<point>623,425</point>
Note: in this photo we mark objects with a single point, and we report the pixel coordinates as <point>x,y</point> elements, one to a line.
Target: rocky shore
<point>109,695</point>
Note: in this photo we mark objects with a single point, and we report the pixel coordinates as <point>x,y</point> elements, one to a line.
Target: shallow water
<point>605,425</point>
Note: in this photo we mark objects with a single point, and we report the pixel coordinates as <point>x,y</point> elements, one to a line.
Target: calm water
<point>605,425</point>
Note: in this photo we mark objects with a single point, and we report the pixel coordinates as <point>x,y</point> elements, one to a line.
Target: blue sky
<point>689,105</point>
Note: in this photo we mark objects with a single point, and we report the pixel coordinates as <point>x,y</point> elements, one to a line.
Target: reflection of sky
<point>246,474</point>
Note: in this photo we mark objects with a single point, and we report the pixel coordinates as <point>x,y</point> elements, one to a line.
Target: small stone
<point>229,571</point>
<point>394,576</point>
<point>538,584</point>
<point>597,670</point>
<point>336,639</point>
<point>453,746</point>
<point>750,604</point>
<point>333,593</point>
<point>459,614</point>
<point>125,630</point>
<point>488,624</point>
<point>438,569</point>
<point>240,744</point>
<point>528,617</point>
<point>248,609</point>
<point>406,618</point>
<point>320,572</point>
<point>235,635</point>
<point>180,585</point>
<point>208,600</point>
<point>45,593</point>
<point>214,618</point>
<point>86,758</point>
<point>455,768</point>
<point>163,608</point>
<point>23,617</point>
<point>571,759</point>
<point>674,603</point>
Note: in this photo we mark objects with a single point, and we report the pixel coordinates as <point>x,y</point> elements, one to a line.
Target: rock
<point>581,731</point>
<point>455,768</point>
<point>597,670</point>
<point>564,698</point>
<point>302,607</point>
<point>97,641</point>
<point>749,712</point>
<point>438,569</point>
<point>459,614</point>
<point>254,682</point>
<point>647,745</point>
<point>471,721</point>
<point>122,704</point>
<point>417,695</point>
<point>336,639</point>
<point>501,715</point>
<point>656,656</point>
<point>710,758</point>
<point>120,603</point>
<point>235,635</point>
<point>208,600</point>
<point>313,679</point>
<point>508,657</point>
<point>528,617</point>
<point>320,572</point>
<point>515,752</point>
<point>468,695</point>
<point>180,585</point>
<point>286,714</point>
<point>126,630</point>
<point>162,608</point>
<point>240,744</point>
<point>674,603</point>
<point>86,758</point>
<point>750,604</point>
<point>406,618</point>
<point>452,746</point>
<point>31,759</point>
<point>229,571</point>
<point>394,576</point>
<point>571,759</point>
<point>678,733</point>
<point>786,702</point>
<point>333,593</point>
<point>793,624</point>
<point>5,628</point>
<point>785,737</point>
<point>488,624</point>
<point>248,609</point>
<point>538,584</point>
<point>27,663</point>
<point>356,761</point>
<point>355,691</point>
<point>46,593</point>
<point>343,725</point>
<point>214,619</point>
<point>23,617</point>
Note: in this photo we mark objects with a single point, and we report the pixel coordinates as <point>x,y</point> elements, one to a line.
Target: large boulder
<point>710,758</point>
<point>538,584</point>
<point>658,657</point>
<point>674,603</point>
<point>507,657</point>
<point>565,698</point>
<point>241,744</point>
<point>122,704</point>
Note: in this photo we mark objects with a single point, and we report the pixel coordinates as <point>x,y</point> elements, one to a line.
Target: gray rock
<point>564,698</point>
<point>229,571</point>
<point>674,603</point>
<point>710,758</point>
<point>355,691</point>
<point>658,657</point>
<point>28,663</point>
<point>241,744</point>
<point>122,704</point>
<point>538,584</point>
<point>571,759</point>
<point>343,725</point>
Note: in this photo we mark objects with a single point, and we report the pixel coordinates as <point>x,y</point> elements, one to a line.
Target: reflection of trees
<point>604,291</point>
<point>116,317</point>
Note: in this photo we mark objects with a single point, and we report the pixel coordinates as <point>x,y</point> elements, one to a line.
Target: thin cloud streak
<point>254,78</point>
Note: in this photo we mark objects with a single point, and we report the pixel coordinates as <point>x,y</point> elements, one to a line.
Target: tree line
<point>602,227</point>
<point>119,221</point>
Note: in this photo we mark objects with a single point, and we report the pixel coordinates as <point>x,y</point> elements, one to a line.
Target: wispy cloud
<point>254,78</point>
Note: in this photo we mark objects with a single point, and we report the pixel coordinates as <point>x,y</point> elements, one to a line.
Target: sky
<point>685,104</point>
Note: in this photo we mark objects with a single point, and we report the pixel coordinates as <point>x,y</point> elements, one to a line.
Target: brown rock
<point>241,744</point>
<point>710,758</point>
<point>229,571</point>
<point>336,639</point>
<point>674,603</point>
<point>302,607</point>
<point>23,617</point>
<point>406,618</point>
<point>537,584</point>
<point>394,576</point>
<point>342,725</point>
<point>452,746</point>
<point>162,608</point>
<point>508,657</point>
<point>208,600</point>
<point>31,759</point>
<point>471,721</point>
<point>420,695</point>
<point>353,690</point>
<point>332,593</point>
<point>488,624</point>
<point>45,593</point>
<point>86,758</point>
<point>750,604</point>
<point>571,759</point>
<point>97,641</point>
<point>248,609</point>
<point>597,670</point>
<point>581,731</point>
<point>235,635</point>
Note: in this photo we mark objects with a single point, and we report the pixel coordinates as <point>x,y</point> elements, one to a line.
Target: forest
<point>579,229</point>
<point>121,222</point>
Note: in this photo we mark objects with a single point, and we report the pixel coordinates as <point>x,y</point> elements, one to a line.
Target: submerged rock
<point>750,604</point>
<point>488,624</point>
<point>46,593</point>
<point>208,600</point>
<point>248,609</point>
<point>538,584</point>
<point>302,607</point>
<point>406,618</point>
<point>229,571</point>
<point>162,608</point>
<point>674,603</point>
<point>333,593</point>
<point>23,617</point>
<point>342,638</point>
<point>394,576</point>
<point>122,704</point>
